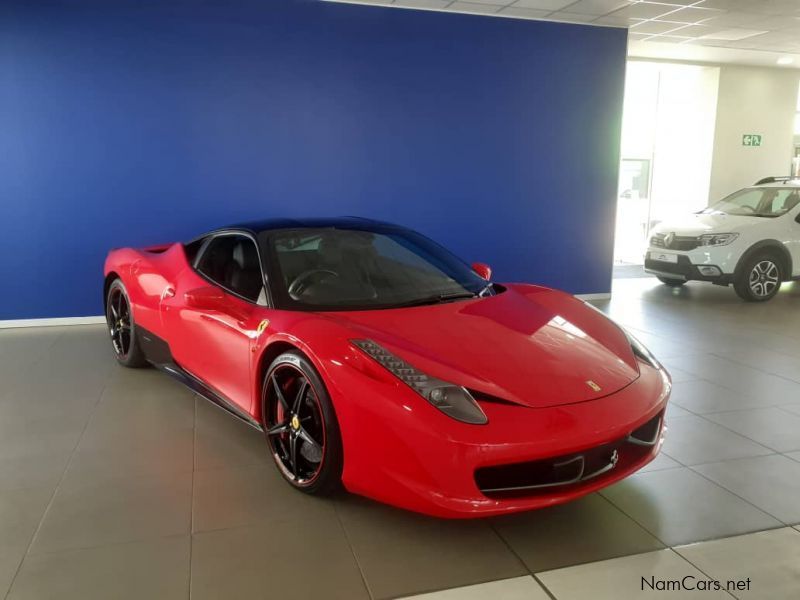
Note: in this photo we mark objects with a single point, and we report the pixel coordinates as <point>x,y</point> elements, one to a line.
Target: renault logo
<point>668,239</point>
<point>593,385</point>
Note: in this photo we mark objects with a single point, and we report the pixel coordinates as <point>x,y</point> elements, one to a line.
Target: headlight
<point>453,400</point>
<point>642,353</point>
<point>717,239</point>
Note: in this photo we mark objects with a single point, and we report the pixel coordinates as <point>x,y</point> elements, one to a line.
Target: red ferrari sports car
<point>373,358</point>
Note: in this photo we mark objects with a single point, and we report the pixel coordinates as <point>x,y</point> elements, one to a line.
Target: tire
<point>302,415</point>
<point>759,277</point>
<point>670,282</point>
<point>122,328</point>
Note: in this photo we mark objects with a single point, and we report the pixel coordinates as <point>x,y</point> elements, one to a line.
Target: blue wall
<point>130,123</point>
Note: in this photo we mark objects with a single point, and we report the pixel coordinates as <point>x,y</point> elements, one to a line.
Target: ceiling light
<point>785,60</point>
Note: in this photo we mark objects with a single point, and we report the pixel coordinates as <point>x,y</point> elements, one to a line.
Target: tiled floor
<point>121,484</point>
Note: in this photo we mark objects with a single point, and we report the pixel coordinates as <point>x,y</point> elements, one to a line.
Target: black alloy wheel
<point>300,425</point>
<point>121,327</point>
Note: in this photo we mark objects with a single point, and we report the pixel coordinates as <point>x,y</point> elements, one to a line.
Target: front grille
<point>571,470</point>
<point>678,242</point>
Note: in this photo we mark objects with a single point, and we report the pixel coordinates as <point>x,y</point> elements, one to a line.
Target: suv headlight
<point>453,400</point>
<point>717,239</point>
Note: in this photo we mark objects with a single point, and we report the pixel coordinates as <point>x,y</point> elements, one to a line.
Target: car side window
<point>231,261</point>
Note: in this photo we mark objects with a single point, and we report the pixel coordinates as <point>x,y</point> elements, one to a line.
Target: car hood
<point>529,345</point>
<point>698,224</point>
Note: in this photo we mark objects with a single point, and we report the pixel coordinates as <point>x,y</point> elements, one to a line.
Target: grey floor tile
<point>138,453</point>
<point>516,588</point>
<point>676,412</point>
<point>739,378</point>
<point>225,498</point>
<point>9,563</point>
<point>20,513</point>
<point>402,553</point>
<point>793,408</point>
<point>39,437</point>
<point>679,375</point>
<point>772,483</point>
<point>700,396</point>
<point>624,578</point>
<point>770,427</point>
<point>662,461</point>
<point>695,440</point>
<point>770,559</point>
<point>545,539</point>
<point>155,569</point>
<point>224,442</point>
<point>32,471</point>
<point>302,559</point>
<point>114,510</point>
<point>679,506</point>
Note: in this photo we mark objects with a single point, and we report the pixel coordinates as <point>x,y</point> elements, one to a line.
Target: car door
<point>211,314</point>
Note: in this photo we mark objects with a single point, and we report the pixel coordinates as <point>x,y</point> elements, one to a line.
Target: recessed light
<point>785,60</point>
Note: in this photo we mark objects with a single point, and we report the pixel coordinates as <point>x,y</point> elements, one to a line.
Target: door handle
<point>168,292</point>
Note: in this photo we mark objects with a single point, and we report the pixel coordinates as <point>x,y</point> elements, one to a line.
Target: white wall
<point>752,100</point>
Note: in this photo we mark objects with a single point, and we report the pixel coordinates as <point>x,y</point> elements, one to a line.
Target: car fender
<point>768,244</point>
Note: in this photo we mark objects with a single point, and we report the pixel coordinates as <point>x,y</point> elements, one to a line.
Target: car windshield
<point>350,269</point>
<point>757,202</point>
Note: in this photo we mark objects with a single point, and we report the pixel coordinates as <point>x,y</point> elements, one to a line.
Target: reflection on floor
<point>121,484</point>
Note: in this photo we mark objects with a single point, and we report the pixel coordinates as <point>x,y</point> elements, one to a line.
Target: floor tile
<point>772,483</point>
<point>138,453</point>
<point>771,559</point>
<point>20,514</point>
<point>662,461</point>
<point>545,539</point>
<point>223,441</point>
<point>625,578</point>
<point>679,375</point>
<point>32,471</point>
<point>679,506</point>
<point>694,440</point>
<point>700,396</point>
<point>39,437</point>
<point>517,588</point>
<point>302,559</point>
<point>9,563</point>
<point>391,545</point>
<point>770,427</point>
<point>676,412</point>
<point>156,569</point>
<point>225,498</point>
<point>115,510</point>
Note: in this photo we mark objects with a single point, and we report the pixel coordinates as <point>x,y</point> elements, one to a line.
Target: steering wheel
<point>300,283</point>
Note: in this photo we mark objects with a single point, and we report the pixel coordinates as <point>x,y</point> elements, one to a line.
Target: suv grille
<point>678,242</point>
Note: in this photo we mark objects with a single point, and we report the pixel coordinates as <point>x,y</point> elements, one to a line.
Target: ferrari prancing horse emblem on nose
<point>593,385</point>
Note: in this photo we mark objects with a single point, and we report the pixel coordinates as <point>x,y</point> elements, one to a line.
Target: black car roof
<point>257,227</point>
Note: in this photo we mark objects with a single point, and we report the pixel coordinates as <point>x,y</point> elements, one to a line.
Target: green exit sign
<point>751,139</point>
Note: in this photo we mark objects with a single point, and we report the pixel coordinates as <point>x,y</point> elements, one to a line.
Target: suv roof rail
<point>775,179</point>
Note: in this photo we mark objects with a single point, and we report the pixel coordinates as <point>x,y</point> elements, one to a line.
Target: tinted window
<point>349,269</point>
<point>757,202</point>
<point>232,262</point>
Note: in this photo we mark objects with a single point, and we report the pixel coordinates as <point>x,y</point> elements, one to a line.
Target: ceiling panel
<point>769,26</point>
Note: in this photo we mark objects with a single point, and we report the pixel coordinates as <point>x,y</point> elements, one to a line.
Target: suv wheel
<point>760,278</point>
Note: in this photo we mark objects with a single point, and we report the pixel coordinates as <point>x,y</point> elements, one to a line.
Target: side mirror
<point>483,270</point>
<point>207,298</point>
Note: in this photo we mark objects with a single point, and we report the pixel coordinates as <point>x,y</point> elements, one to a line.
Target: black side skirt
<point>157,352</point>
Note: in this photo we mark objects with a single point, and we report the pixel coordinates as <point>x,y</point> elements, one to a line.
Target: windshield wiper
<point>438,299</point>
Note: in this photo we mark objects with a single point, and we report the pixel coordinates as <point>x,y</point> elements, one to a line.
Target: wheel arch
<point>768,245</point>
<point>272,351</point>
<point>110,278</point>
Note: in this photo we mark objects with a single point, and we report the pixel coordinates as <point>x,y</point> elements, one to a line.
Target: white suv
<point>751,239</point>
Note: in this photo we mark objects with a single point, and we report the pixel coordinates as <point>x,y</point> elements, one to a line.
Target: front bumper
<point>402,451</point>
<point>686,271</point>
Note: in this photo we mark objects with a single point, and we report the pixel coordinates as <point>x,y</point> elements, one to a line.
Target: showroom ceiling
<point>760,25</point>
